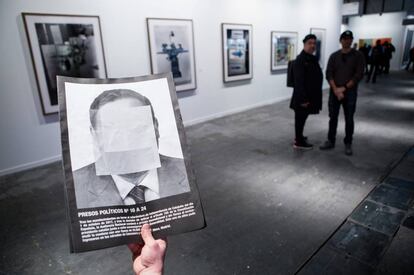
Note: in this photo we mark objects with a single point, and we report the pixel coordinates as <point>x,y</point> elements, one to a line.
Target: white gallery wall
<point>29,139</point>
<point>381,26</point>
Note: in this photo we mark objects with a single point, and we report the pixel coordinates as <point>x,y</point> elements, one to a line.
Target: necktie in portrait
<point>137,194</point>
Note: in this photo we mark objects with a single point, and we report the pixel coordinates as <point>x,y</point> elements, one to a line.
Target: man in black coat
<point>375,60</point>
<point>388,50</point>
<point>345,69</point>
<point>307,91</point>
<point>365,49</point>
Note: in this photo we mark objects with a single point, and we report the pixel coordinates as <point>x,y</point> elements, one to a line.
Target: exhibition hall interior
<point>207,137</point>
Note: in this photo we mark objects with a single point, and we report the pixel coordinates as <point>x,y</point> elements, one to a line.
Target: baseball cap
<point>346,34</point>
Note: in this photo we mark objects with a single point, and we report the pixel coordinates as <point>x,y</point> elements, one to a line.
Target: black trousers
<point>387,66</point>
<point>374,68</point>
<point>349,105</point>
<point>366,67</point>
<point>301,114</point>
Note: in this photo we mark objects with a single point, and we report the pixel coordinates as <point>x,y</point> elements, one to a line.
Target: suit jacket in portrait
<point>97,191</point>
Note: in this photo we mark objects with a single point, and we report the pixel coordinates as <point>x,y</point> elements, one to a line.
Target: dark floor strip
<point>359,243</point>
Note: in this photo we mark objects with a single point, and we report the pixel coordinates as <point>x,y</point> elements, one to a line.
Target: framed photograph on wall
<point>237,52</point>
<point>320,44</point>
<point>284,46</point>
<point>171,45</point>
<point>67,45</point>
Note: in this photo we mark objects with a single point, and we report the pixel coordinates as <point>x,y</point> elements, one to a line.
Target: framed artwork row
<point>71,45</point>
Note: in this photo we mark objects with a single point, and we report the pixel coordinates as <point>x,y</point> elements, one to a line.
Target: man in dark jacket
<point>345,69</point>
<point>365,52</point>
<point>307,92</point>
<point>388,50</point>
<point>376,59</point>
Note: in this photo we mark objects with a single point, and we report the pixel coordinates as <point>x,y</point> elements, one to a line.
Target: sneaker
<point>305,139</point>
<point>302,145</point>
<point>328,145</point>
<point>348,149</point>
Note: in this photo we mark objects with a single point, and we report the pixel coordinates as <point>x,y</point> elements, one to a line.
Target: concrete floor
<point>268,207</point>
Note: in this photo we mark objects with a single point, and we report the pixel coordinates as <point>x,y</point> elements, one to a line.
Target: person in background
<point>307,89</point>
<point>388,50</point>
<point>369,59</point>
<point>148,258</point>
<point>411,59</point>
<point>365,52</point>
<point>375,58</point>
<point>355,46</point>
<point>345,69</point>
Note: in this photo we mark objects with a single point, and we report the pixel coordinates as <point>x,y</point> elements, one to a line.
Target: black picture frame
<point>238,65</point>
<point>63,44</point>
<point>176,55</point>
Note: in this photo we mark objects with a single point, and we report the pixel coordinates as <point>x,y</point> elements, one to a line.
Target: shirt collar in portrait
<point>125,186</point>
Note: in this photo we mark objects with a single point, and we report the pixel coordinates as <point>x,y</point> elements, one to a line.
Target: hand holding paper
<point>148,259</point>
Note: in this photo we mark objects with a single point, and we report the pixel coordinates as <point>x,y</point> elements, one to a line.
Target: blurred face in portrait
<point>125,134</point>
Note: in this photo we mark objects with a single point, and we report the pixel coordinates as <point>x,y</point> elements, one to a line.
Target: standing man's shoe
<point>328,145</point>
<point>305,139</point>
<point>302,145</point>
<point>348,149</point>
